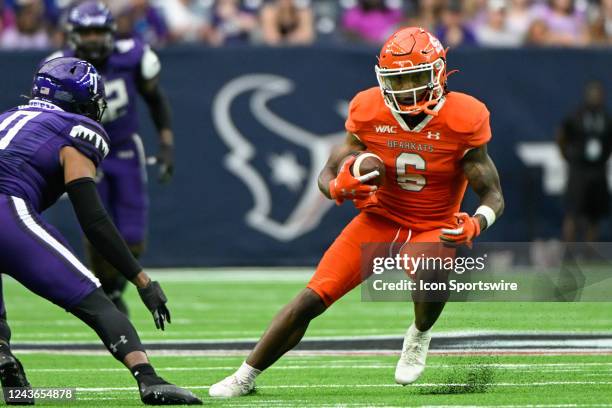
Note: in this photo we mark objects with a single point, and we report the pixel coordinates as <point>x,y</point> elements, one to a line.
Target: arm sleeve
<point>159,107</point>
<point>98,227</point>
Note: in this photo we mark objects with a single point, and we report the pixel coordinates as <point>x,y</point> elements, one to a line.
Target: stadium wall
<point>254,126</point>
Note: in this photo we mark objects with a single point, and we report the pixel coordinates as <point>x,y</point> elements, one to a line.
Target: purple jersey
<point>131,62</point>
<point>31,137</point>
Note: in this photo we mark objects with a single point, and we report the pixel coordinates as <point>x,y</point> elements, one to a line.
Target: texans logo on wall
<point>274,177</point>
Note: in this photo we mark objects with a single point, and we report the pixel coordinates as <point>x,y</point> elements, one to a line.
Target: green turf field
<point>238,305</point>
<point>349,381</point>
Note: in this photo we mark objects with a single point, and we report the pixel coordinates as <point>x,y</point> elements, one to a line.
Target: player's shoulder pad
<point>464,113</point>
<point>364,108</point>
<point>86,132</point>
<point>128,45</point>
<point>128,53</point>
<point>150,65</point>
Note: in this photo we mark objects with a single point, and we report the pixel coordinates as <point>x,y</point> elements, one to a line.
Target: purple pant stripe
<point>37,256</point>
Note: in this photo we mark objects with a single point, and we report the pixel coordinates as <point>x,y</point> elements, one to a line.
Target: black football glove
<point>165,162</point>
<point>155,300</point>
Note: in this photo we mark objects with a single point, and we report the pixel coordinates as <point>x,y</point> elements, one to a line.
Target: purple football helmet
<point>91,30</point>
<point>72,84</point>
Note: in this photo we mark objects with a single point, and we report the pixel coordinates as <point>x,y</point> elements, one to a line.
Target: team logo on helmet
<point>71,84</point>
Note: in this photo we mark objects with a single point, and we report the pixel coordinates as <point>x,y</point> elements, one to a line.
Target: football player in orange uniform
<point>433,143</point>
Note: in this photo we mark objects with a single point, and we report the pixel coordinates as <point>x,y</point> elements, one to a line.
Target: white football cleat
<point>231,387</point>
<point>412,360</point>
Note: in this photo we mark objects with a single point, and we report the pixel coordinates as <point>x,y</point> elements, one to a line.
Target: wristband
<point>488,214</point>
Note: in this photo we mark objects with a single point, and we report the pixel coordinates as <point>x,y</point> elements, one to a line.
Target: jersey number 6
<point>410,181</point>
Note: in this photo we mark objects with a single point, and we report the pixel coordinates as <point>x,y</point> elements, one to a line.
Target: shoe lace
<point>234,380</point>
<point>412,353</point>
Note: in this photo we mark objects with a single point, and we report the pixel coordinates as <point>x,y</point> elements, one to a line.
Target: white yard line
<point>332,353</point>
<point>319,386</point>
<point>562,368</point>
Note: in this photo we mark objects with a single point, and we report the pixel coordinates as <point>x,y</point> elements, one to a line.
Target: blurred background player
<point>129,67</point>
<point>585,141</point>
<point>51,146</point>
<point>434,145</point>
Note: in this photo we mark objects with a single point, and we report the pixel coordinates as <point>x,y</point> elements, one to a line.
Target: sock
<point>247,373</point>
<point>145,374</point>
<point>416,332</point>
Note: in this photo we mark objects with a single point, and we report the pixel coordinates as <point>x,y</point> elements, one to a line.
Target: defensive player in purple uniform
<point>51,146</point>
<point>128,68</point>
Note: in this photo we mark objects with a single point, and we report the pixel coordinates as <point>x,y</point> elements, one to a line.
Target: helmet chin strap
<point>427,108</point>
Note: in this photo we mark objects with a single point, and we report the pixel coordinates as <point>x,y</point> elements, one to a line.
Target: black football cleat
<point>12,375</point>
<point>167,394</point>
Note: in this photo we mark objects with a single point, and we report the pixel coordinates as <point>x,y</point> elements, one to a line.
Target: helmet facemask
<point>93,44</point>
<point>93,110</point>
<point>412,90</point>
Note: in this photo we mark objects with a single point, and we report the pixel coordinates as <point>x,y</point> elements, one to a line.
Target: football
<point>367,162</point>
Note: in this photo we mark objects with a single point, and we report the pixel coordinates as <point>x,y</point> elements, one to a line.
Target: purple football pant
<point>35,254</point>
<point>122,184</point>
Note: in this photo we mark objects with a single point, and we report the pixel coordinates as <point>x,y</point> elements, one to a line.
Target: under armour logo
<point>122,340</point>
<point>433,135</point>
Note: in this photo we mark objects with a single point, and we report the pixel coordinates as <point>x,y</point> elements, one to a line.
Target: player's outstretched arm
<point>484,180</point>
<point>351,145</point>
<point>79,172</point>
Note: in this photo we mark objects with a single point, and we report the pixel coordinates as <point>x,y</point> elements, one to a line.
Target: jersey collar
<point>36,103</point>
<point>423,123</point>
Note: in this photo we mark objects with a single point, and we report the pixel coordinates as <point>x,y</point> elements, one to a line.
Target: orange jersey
<point>424,183</point>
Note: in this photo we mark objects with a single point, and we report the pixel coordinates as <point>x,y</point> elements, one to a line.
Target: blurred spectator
<point>426,14</point>
<point>7,17</point>
<point>231,24</point>
<point>29,31</point>
<point>538,34</point>
<point>371,21</point>
<point>472,9</point>
<point>453,32</point>
<point>494,32</point>
<point>55,9</point>
<point>490,23</point>
<point>601,28</point>
<point>138,18</point>
<point>585,141</point>
<point>566,25</point>
<point>186,19</point>
<point>287,22</point>
<point>519,17</point>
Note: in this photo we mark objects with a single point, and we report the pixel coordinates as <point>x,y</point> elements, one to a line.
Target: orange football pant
<point>339,271</point>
